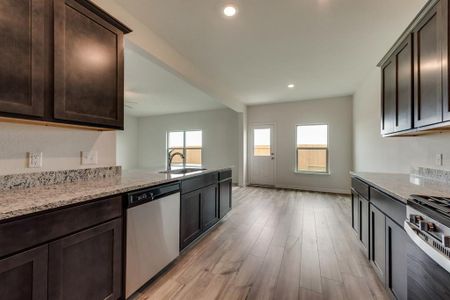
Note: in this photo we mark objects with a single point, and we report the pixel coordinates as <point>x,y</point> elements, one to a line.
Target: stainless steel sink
<point>183,171</point>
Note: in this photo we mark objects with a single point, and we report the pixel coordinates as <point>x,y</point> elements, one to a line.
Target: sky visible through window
<point>193,139</point>
<point>312,135</point>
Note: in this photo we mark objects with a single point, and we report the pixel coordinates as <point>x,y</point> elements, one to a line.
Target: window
<point>261,142</point>
<point>188,143</point>
<point>312,149</point>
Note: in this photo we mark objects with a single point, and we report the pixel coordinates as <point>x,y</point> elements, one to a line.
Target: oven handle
<point>434,254</point>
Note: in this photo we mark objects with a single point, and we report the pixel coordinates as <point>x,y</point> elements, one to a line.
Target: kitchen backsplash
<point>28,180</point>
<point>431,173</point>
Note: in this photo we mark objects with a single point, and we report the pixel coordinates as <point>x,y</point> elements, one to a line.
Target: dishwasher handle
<point>151,194</point>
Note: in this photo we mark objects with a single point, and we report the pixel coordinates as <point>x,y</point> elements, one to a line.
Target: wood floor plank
<point>333,289</point>
<point>264,285</point>
<point>310,277</point>
<point>287,286</point>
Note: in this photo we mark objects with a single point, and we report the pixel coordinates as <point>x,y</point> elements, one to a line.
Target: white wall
<point>220,137</point>
<point>61,147</point>
<point>127,144</point>
<point>372,153</point>
<point>337,113</point>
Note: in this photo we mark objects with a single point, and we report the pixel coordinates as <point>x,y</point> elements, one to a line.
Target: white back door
<point>262,155</point>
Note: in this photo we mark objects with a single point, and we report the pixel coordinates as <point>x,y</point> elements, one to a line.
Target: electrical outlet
<point>34,159</point>
<point>89,157</point>
<point>439,160</point>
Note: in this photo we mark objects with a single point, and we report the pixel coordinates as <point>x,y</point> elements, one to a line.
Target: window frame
<point>296,170</point>
<point>184,146</point>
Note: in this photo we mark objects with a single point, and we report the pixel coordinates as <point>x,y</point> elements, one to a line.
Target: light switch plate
<point>89,157</point>
<point>34,159</point>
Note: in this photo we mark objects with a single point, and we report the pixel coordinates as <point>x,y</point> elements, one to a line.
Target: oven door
<point>427,279</point>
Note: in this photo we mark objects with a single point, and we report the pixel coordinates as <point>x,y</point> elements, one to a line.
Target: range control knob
<point>415,219</point>
<point>423,225</point>
<point>446,241</point>
<point>427,226</point>
<point>431,226</point>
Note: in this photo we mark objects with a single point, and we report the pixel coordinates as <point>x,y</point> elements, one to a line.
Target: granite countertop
<point>19,202</point>
<point>402,186</point>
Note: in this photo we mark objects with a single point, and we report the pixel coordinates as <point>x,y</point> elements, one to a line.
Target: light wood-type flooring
<point>274,244</point>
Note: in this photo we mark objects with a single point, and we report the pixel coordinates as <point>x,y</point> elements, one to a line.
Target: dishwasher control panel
<point>153,193</point>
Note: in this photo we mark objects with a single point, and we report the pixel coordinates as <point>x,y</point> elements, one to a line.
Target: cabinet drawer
<point>391,207</point>
<point>225,174</point>
<point>195,183</point>
<point>24,233</point>
<point>361,187</point>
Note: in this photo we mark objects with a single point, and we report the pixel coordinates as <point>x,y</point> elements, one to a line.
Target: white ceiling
<point>325,47</point>
<point>152,90</point>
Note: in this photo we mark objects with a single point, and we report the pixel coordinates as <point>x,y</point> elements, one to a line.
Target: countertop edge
<point>32,210</point>
<point>381,188</point>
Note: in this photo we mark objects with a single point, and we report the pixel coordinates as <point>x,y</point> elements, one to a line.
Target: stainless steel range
<point>428,226</point>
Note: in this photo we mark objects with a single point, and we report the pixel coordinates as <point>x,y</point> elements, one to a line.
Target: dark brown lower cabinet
<point>377,241</point>
<point>204,201</point>
<point>24,275</point>
<point>73,257</point>
<point>396,259</point>
<point>355,211</point>
<point>377,224</point>
<point>225,197</point>
<point>87,265</point>
<point>364,223</point>
<point>190,221</point>
<point>210,206</point>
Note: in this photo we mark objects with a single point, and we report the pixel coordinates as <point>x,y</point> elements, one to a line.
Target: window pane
<point>176,139</point>
<point>312,160</point>
<point>194,157</point>
<point>261,142</point>
<point>194,139</point>
<point>312,136</point>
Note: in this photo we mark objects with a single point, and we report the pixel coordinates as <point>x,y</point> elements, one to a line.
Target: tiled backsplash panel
<point>430,173</point>
<point>28,180</point>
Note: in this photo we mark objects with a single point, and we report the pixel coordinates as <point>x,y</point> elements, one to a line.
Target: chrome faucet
<point>170,157</point>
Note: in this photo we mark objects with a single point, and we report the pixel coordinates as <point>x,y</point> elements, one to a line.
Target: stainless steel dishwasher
<point>153,233</point>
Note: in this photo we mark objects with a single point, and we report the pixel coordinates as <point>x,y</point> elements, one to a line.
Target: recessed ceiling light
<point>230,11</point>
<point>291,85</point>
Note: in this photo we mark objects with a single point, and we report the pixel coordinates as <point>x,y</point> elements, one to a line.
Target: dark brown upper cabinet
<point>397,90</point>
<point>404,83</point>
<point>428,42</point>
<point>62,62</point>
<point>22,59</point>
<point>388,109</point>
<point>421,73</point>
<point>88,66</point>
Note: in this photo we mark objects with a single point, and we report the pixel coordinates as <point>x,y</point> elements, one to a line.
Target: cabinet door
<point>225,197</point>
<point>404,86</point>
<point>88,264</point>
<point>355,211</point>
<point>22,59</point>
<point>396,259</point>
<point>210,206</point>
<point>24,275</point>
<point>428,36</point>
<point>378,241</point>
<point>88,67</point>
<point>388,97</point>
<point>190,222</point>
<point>364,223</point>
<point>445,58</point>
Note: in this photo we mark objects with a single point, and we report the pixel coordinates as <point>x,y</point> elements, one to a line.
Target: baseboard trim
<point>316,189</point>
